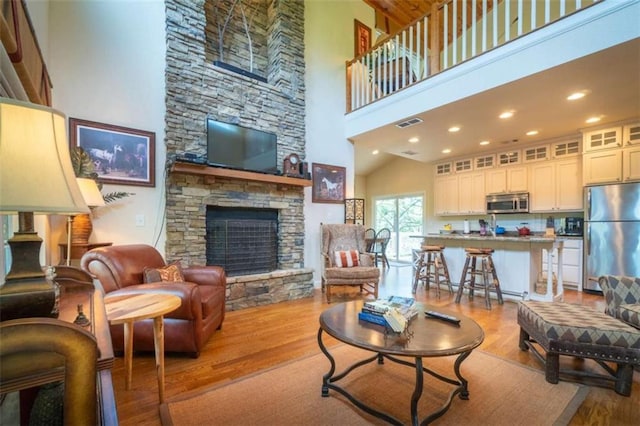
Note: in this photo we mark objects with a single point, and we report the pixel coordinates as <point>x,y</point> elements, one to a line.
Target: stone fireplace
<point>197,89</point>
<point>242,240</point>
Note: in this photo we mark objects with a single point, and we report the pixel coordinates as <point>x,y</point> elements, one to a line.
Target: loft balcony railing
<point>453,32</point>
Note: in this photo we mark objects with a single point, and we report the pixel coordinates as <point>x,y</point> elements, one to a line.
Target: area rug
<point>501,393</point>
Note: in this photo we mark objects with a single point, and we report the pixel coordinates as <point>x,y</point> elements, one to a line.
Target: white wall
<point>107,65</point>
<point>106,60</point>
<point>328,45</point>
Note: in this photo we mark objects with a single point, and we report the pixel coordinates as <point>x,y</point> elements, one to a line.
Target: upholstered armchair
<point>139,268</point>
<point>345,260</point>
<point>622,295</point>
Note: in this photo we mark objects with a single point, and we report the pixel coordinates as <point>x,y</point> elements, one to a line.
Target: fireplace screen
<point>242,241</point>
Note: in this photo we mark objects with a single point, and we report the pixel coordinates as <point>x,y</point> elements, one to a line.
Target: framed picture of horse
<point>328,183</point>
<point>120,155</point>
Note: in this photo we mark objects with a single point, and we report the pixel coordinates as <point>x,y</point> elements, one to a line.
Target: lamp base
<point>25,298</point>
<point>27,291</point>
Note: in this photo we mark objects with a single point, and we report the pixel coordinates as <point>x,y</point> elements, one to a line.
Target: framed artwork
<point>121,155</point>
<point>362,37</point>
<point>328,183</point>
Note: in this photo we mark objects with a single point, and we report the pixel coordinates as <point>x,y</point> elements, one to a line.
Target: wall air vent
<point>409,152</point>
<point>409,122</point>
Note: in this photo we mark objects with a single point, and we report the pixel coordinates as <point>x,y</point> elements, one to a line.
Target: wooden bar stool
<point>431,265</point>
<point>482,276</point>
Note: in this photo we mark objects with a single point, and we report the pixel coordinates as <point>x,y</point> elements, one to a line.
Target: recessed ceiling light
<point>532,132</point>
<point>507,114</point>
<point>446,151</point>
<point>375,152</point>
<point>483,143</point>
<point>592,120</point>
<point>575,96</point>
<point>414,140</point>
<point>454,129</point>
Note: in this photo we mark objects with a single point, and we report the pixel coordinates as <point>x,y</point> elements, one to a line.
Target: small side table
<point>77,250</point>
<point>126,309</point>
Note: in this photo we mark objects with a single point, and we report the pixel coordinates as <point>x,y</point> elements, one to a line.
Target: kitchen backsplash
<point>535,222</point>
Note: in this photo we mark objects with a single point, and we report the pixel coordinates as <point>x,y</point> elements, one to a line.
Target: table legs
<point>128,353</point>
<point>460,384</point>
<point>158,342</point>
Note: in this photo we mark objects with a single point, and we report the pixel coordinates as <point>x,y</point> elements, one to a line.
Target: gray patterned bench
<point>580,331</point>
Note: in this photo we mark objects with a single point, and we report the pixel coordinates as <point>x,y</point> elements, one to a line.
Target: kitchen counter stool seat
<point>480,275</point>
<point>431,265</point>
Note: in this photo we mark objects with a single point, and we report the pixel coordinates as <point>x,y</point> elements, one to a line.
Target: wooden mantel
<point>205,170</point>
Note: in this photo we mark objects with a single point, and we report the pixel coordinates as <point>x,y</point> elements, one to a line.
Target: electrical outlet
<point>139,220</point>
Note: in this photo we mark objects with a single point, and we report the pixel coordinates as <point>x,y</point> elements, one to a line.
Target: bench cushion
<point>630,314</point>
<point>578,324</point>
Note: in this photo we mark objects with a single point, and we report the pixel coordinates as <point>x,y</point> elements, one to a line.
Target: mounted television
<point>236,147</point>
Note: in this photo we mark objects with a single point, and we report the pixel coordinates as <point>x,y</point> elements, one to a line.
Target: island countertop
<point>518,259</point>
<point>508,237</point>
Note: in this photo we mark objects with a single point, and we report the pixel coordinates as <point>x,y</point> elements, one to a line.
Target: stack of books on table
<point>395,312</point>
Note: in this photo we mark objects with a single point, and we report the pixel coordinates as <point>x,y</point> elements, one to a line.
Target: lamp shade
<point>36,174</point>
<point>90,192</point>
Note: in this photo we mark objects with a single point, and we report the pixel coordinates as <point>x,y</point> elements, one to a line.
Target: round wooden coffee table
<point>126,309</point>
<point>424,338</point>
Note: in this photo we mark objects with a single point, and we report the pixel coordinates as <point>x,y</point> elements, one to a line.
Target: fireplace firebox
<point>243,241</point>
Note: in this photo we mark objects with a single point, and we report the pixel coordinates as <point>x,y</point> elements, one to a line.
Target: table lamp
<point>36,176</point>
<point>81,227</point>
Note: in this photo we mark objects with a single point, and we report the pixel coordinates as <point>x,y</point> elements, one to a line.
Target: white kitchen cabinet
<point>602,139</point>
<point>471,193</point>
<point>569,185</point>
<point>631,164</point>
<point>556,186</point>
<point>508,158</point>
<point>535,153</point>
<point>567,148</point>
<point>445,195</point>
<point>571,262</point>
<point>443,169</point>
<point>631,134</point>
<point>510,179</point>
<point>602,167</point>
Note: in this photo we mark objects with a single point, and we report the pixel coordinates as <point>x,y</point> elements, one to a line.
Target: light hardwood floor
<point>257,338</point>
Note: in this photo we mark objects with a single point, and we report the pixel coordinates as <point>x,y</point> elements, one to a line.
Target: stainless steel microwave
<point>517,202</point>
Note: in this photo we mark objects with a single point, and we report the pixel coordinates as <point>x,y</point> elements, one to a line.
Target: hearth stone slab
<point>264,289</point>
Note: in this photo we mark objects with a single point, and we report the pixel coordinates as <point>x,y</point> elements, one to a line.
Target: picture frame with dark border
<point>328,183</point>
<point>121,155</point>
<point>362,38</point>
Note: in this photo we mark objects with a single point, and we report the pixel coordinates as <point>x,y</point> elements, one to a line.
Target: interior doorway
<point>403,215</point>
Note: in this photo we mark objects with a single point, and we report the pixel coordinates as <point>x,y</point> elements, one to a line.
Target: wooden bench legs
<point>621,375</point>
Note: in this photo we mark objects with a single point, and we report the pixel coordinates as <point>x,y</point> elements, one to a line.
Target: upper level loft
<point>591,46</point>
<point>453,32</point>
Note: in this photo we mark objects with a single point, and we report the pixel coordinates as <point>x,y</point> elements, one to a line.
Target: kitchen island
<point>518,260</point>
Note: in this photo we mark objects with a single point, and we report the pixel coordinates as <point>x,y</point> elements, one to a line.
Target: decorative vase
<point>81,229</point>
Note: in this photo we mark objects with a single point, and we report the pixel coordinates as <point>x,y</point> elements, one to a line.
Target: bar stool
<point>486,270</point>
<point>432,265</point>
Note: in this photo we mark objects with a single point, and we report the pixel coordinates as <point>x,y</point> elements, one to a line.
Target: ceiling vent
<point>409,152</point>
<point>409,122</point>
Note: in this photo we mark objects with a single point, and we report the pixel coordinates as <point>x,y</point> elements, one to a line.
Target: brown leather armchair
<point>120,270</point>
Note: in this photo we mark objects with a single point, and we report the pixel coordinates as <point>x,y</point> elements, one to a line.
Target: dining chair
<point>369,239</point>
<point>380,246</point>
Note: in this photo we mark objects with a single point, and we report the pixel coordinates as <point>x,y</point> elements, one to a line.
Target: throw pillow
<point>347,258</point>
<point>172,272</point>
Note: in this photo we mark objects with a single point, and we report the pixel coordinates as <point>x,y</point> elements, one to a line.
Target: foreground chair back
<point>139,268</point>
<point>345,261</point>
<point>32,344</point>
<point>622,295</point>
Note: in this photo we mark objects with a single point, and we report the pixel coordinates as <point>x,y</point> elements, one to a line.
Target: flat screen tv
<point>236,147</point>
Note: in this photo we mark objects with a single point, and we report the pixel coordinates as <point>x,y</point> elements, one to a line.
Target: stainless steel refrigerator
<point>611,232</point>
